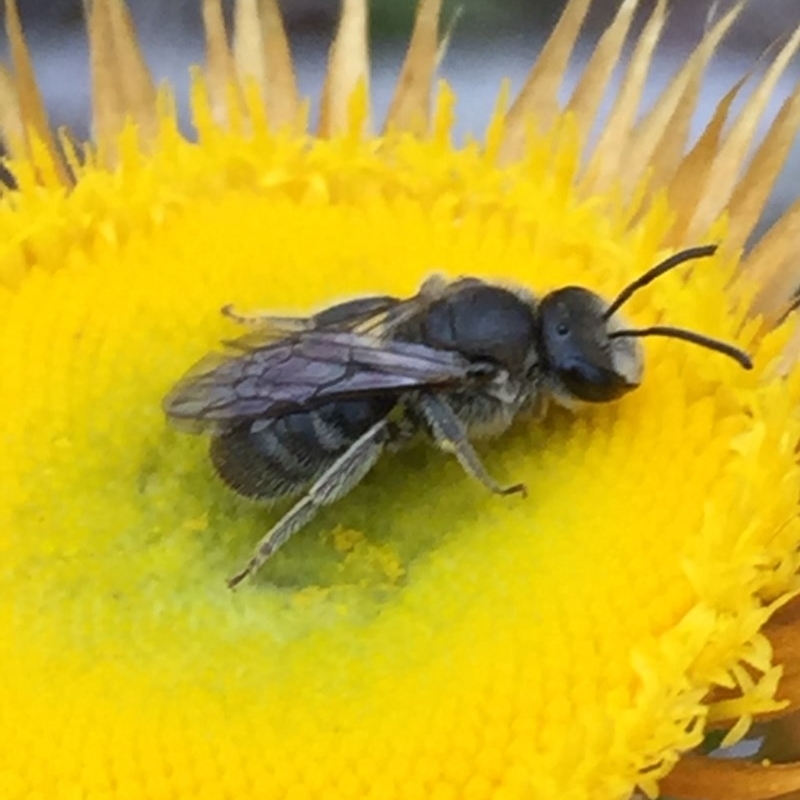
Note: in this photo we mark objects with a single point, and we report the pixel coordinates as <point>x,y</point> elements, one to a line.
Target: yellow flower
<point>423,639</point>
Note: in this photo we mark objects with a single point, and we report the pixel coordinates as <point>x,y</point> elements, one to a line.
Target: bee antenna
<point>657,271</point>
<point>690,336</point>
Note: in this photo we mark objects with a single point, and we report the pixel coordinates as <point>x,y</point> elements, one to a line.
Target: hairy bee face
<point>578,352</point>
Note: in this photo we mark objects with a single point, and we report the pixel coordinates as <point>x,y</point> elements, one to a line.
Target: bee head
<point>578,351</point>
<point>588,351</point>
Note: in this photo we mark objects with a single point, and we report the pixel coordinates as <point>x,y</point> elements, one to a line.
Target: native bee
<point>306,406</point>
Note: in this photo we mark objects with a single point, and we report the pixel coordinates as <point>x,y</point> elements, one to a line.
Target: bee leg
<point>256,318</point>
<point>451,435</point>
<point>343,475</point>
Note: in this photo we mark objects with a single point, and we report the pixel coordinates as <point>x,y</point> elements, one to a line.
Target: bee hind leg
<point>343,475</point>
<point>451,435</point>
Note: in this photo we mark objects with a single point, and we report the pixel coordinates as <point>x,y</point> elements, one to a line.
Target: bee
<point>305,407</point>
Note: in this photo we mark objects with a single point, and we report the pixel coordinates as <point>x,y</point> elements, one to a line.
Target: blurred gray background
<point>493,39</point>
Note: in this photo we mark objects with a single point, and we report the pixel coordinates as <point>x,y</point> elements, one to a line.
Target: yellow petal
<point>410,106</point>
<point>122,88</point>
<point>262,54</point>
<point>612,148</point>
<point>29,101</point>
<point>348,68</point>
<point>220,67</point>
<point>537,101</point>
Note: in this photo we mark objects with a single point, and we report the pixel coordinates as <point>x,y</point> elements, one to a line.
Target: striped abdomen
<point>281,456</point>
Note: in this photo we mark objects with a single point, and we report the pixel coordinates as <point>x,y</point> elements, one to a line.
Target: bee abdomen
<point>282,456</point>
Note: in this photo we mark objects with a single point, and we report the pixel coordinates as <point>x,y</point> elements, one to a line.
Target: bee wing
<point>376,315</point>
<point>306,370</point>
<point>268,328</point>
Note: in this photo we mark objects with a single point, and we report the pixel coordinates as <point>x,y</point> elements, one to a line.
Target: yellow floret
<point>422,639</point>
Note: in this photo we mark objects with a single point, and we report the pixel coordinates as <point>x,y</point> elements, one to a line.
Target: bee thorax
<point>484,415</point>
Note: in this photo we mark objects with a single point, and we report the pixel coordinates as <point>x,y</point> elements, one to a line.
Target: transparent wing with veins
<point>289,365</point>
<point>376,314</point>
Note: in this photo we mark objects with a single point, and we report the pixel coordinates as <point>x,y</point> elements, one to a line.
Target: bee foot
<point>236,579</point>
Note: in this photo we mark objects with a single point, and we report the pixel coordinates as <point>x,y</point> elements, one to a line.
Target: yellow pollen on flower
<point>422,639</point>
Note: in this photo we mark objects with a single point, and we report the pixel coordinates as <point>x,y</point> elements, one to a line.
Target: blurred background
<point>493,39</point>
